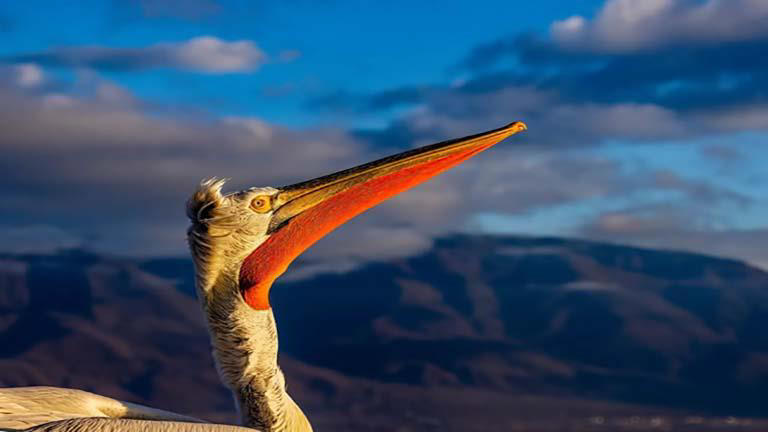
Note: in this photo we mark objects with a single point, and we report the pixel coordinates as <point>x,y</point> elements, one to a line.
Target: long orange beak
<point>306,212</point>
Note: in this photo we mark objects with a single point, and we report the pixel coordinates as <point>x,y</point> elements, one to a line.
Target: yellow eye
<point>261,204</point>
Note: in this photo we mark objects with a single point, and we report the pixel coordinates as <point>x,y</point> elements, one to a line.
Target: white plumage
<point>53,409</point>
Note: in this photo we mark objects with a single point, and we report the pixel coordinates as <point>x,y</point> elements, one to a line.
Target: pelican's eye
<point>261,204</point>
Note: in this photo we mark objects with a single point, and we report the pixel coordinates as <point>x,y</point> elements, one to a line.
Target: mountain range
<point>478,333</point>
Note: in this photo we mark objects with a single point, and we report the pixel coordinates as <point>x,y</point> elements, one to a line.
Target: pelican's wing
<point>128,425</point>
<point>25,407</point>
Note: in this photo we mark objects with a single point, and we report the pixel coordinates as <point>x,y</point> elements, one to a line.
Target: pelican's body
<point>241,242</point>
<point>25,407</point>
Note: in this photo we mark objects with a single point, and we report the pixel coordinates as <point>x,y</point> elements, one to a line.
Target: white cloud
<point>631,25</point>
<point>29,75</point>
<point>571,26</point>
<point>207,54</point>
<point>674,228</point>
<point>257,128</point>
<point>57,100</point>
<point>210,54</point>
<point>740,118</point>
<point>361,241</point>
<point>620,120</point>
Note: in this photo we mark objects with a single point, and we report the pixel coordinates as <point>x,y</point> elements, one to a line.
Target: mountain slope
<point>478,331</point>
<point>543,316</point>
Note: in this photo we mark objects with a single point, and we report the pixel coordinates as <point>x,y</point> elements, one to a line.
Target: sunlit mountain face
<point>478,330</point>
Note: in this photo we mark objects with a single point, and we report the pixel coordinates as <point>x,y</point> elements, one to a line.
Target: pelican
<point>241,243</point>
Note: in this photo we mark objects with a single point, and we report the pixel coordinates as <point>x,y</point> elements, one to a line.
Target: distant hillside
<point>544,316</point>
<point>480,331</point>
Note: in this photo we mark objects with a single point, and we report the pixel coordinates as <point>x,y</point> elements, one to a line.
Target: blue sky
<point>357,46</point>
<point>648,118</point>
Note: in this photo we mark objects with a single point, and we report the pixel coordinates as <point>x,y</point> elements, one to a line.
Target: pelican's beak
<point>307,211</point>
<point>364,186</point>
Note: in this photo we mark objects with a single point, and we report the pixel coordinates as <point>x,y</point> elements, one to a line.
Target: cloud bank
<point>206,54</point>
<point>635,25</point>
<point>113,171</point>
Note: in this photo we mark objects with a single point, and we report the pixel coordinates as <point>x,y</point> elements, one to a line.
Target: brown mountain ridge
<point>478,331</point>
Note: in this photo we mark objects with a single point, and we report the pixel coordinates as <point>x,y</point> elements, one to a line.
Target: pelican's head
<point>249,238</point>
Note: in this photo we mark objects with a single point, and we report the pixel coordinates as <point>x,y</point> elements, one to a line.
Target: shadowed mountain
<point>544,316</point>
<point>478,331</point>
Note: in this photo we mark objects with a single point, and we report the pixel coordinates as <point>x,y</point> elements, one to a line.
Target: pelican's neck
<point>244,344</point>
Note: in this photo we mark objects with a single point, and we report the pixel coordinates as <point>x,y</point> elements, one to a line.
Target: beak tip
<point>517,126</point>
